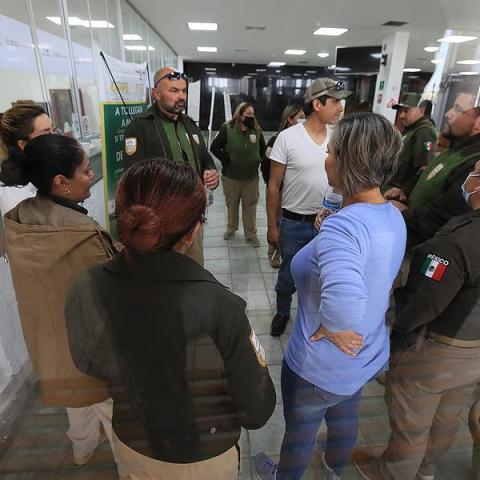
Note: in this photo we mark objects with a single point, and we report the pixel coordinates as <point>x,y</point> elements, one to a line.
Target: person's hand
<point>395,194</point>
<point>273,237</point>
<point>347,340</point>
<point>401,206</point>
<point>210,179</point>
<point>322,214</point>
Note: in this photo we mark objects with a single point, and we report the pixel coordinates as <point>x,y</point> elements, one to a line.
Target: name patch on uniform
<point>258,349</point>
<point>434,267</point>
<point>253,138</point>
<point>434,171</point>
<point>268,151</point>
<point>196,138</point>
<point>428,146</point>
<point>130,145</point>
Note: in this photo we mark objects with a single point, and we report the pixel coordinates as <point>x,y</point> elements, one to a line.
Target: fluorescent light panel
<point>412,70</point>
<point>469,62</point>
<point>207,49</point>
<point>139,48</point>
<point>330,31</point>
<point>432,49</point>
<point>469,73</point>
<point>436,61</point>
<point>132,36</point>
<point>323,54</point>
<point>276,64</point>
<point>295,52</point>
<point>457,39</point>
<point>203,26</point>
<point>78,22</point>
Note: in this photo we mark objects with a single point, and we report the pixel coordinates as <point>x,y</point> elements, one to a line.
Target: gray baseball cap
<point>409,99</point>
<point>326,86</point>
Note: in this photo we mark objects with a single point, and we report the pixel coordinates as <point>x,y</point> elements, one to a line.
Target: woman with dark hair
<point>343,278</point>
<point>49,240</point>
<point>291,115</point>
<point>18,125</point>
<point>240,145</point>
<point>185,368</point>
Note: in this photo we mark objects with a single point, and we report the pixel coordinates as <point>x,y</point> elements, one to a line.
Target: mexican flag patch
<point>428,146</point>
<point>434,267</point>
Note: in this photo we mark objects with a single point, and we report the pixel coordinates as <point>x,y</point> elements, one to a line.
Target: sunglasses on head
<point>173,76</point>
<point>338,87</point>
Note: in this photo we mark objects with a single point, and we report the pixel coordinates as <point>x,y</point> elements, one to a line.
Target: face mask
<point>301,120</point>
<point>466,195</point>
<point>249,122</point>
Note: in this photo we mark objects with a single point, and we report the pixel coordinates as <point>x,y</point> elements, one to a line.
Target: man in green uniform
<point>163,131</point>
<point>436,197</point>
<point>419,140</point>
<point>435,348</point>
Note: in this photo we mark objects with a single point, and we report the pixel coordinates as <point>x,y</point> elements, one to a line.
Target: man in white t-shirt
<point>297,161</point>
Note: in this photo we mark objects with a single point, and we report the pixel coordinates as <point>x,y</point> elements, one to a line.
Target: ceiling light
<point>55,20</point>
<point>436,61</point>
<point>207,49</point>
<point>139,48</point>
<point>131,36</point>
<point>457,39</point>
<point>469,73</point>
<point>202,26</point>
<point>432,49</point>
<point>323,54</point>
<point>332,67</point>
<point>78,22</point>
<point>342,69</point>
<point>297,74</point>
<point>276,64</point>
<point>260,69</point>
<point>468,62</point>
<point>311,71</point>
<point>277,71</point>
<point>253,73</point>
<point>210,69</point>
<point>331,32</point>
<point>376,55</point>
<point>412,70</point>
<point>99,24</point>
<point>295,52</point>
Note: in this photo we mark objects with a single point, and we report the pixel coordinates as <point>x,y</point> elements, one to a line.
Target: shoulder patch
<point>258,349</point>
<point>428,146</point>
<point>435,267</point>
<point>268,151</point>
<point>435,171</point>
<point>253,138</point>
<point>130,145</point>
<point>196,138</point>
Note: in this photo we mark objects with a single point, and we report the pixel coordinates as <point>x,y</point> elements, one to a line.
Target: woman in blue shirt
<point>343,277</point>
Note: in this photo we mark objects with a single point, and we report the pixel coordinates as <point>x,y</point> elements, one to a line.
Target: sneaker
<point>79,461</point>
<point>279,324</point>
<point>254,241</point>
<point>265,467</point>
<point>228,234</point>
<point>275,260</point>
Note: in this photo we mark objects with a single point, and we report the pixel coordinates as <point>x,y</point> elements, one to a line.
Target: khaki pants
<point>426,391</point>
<point>140,467</point>
<point>247,192</point>
<point>84,429</point>
<point>196,248</point>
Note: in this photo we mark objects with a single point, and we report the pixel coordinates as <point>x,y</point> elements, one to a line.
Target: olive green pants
<point>247,192</point>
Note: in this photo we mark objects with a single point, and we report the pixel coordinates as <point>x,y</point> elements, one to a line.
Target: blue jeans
<point>294,235</point>
<point>304,408</point>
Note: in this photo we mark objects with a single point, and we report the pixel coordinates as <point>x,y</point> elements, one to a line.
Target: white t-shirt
<point>10,197</point>
<point>305,181</point>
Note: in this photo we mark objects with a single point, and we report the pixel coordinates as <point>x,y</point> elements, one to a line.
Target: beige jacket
<point>48,244</point>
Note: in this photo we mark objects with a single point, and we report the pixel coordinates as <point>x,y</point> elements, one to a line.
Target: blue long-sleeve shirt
<point>343,278</point>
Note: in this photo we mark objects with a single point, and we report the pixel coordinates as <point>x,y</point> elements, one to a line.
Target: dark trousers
<point>304,408</point>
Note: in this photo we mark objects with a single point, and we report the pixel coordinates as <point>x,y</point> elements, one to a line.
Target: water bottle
<point>209,196</point>
<point>333,201</point>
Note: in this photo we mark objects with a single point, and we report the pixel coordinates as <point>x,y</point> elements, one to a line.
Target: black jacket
<point>449,303</point>
<point>185,369</point>
<point>151,140</point>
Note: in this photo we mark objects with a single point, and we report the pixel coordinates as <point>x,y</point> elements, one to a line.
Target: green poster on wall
<point>115,119</point>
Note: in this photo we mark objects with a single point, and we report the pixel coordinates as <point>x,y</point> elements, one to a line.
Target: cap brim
<point>397,106</point>
<point>338,94</point>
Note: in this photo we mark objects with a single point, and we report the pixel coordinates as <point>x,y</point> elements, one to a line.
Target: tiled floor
<point>39,448</point>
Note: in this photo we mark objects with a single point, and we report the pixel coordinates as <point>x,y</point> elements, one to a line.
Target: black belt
<point>297,216</point>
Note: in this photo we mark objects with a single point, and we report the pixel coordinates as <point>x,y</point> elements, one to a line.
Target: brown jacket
<point>48,244</point>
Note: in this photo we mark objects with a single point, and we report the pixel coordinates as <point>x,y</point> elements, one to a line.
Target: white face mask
<point>301,120</point>
<point>466,195</point>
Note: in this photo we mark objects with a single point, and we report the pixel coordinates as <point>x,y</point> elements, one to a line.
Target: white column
<point>389,79</point>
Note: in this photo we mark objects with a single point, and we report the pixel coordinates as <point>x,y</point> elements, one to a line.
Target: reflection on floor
<point>40,450</point>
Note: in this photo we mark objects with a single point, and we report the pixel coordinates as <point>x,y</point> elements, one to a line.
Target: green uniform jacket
<point>151,140</point>
<point>418,148</point>
<point>437,197</point>
<point>240,152</point>
<point>443,287</point>
<point>184,367</point>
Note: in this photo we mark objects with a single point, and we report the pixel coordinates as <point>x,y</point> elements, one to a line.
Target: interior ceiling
<point>289,24</point>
